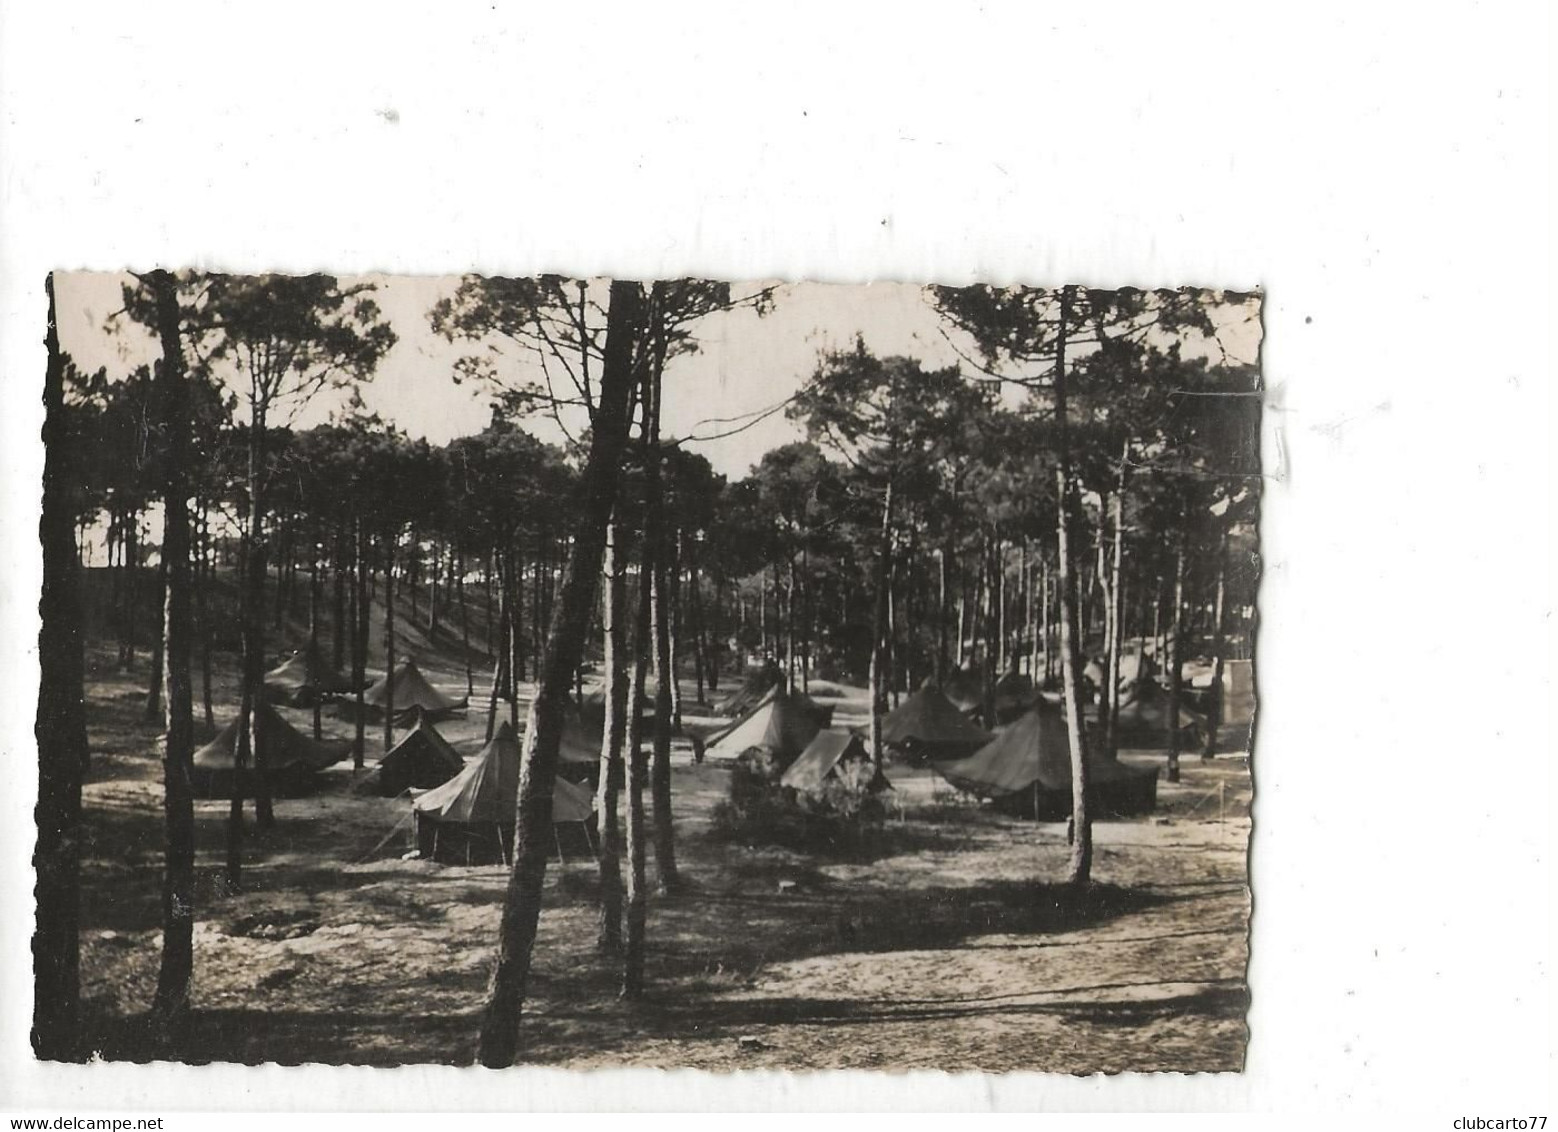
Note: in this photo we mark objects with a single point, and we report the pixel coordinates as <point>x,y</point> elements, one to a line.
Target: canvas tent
<point>752,691</point>
<point>928,726</point>
<point>782,724</point>
<point>1144,713</point>
<point>824,757</point>
<point>411,690</point>
<point>1238,690</point>
<point>1014,694</point>
<point>303,678</point>
<point>470,818</point>
<point>1027,769</point>
<point>592,707</point>
<point>421,760</point>
<point>291,759</point>
<point>963,689</point>
<point>578,753</point>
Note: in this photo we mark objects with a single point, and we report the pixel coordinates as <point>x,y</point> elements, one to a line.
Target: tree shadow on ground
<point>256,1036</point>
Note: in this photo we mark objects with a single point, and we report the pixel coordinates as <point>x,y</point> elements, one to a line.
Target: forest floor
<point>946,947</point>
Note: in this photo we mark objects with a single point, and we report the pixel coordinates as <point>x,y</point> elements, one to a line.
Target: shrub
<point>760,811</point>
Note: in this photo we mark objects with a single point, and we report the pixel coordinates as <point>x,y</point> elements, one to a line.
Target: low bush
<point>842,817</point>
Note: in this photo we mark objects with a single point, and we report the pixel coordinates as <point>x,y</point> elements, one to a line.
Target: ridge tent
<point>421,760</point>
<point>928,726</point>
<point>823,758</point>
<point>411,691</point>
<point>292,759</point>
<point>303,678</point>
<point>1026,769</point>
<point>1144,713</point>
<point>782,724</point>
<point>470,819</point>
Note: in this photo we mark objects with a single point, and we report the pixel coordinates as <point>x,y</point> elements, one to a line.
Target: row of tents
<point>306,678</point>
<point>293,758</point>
<point>1024,768</point>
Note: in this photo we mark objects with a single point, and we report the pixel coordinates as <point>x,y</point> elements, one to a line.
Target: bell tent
<point>411,690</point>
<point>782,725</point>
<point>1026,769</point>
<point>304,678</point>
<point>470,819</point>
<point>291,759</point>
<point>422,760</point>
<point>928,726</point>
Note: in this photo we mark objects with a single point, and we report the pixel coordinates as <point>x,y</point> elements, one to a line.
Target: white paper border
<point>1381,171</point>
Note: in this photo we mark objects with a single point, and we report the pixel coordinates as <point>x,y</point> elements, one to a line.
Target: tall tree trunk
<point>254,640</point>
<point>672,575</point>
<point>516,636</point>
<point>338,578</point>
<point>1081,865</point>
<point>178,877</point>
<point>132,553</point>
<point>637,776</point>
<point>609,933</point>
<point>207,575</point>
<point>789,624</point>
<point>762,615</point>
<point>62,737</point>
<point>1175,658</point>
<point>432,590</point>
<point>1114,595</point>
<point>879,629</point>
<point>1157,620</point>
<point>413,573</point>
<point>315,654</point>
<point>700,647</point>
<point>657,552</point>
<point>241,748</point>
<point>391,537</point>
<point>806,621</point>
<point>994,587</point>
<point>1214,714</point>
<point>158,641</point>
<point>1046,629</point>
<point>891,652</point>
<point>533,826</point>
<point>465,624</point>
<point>361,568</point>
<point>1029,629</point>
<point>941,613</point>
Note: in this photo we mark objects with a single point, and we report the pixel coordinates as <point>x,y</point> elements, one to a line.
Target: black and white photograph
<point>680,674</point>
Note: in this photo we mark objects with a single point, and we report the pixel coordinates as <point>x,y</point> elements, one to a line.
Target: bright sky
<point>746,363</point>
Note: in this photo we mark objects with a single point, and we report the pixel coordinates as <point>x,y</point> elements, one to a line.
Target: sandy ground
<point>944,949</point>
